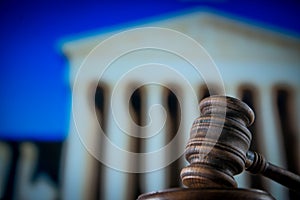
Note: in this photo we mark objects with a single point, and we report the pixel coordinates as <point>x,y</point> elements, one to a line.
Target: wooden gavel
<point>217,150</point>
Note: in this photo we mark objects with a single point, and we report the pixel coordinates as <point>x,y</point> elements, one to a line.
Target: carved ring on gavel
<point>218,147</point>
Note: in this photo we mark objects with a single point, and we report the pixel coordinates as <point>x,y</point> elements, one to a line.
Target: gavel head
<point>218,144</point>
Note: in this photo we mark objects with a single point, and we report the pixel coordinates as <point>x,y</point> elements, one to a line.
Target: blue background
<point>35,93</point>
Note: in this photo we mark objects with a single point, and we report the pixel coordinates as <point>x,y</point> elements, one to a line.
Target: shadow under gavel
<point>217,150</point>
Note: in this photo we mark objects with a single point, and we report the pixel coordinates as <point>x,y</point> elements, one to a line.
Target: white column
<point>155,120</point>
<point>78,174</point>
<point>272,138</point>
<point>115,182</point>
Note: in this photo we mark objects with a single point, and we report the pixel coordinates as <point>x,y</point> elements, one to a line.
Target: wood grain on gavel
<point>219,144</point>
<point>218,150</point>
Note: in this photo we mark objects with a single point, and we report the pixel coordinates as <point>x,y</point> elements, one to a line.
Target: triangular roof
<point>208,24</point>
<point>229,41</point>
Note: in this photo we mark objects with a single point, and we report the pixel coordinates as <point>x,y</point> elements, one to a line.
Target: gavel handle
<point>257,164</point>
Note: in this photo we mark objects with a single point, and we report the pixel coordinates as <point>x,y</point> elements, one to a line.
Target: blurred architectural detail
<point>30,170</point>
<point>259,66</point>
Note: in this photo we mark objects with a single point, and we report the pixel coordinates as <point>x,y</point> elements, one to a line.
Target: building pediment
<point>222,36</point>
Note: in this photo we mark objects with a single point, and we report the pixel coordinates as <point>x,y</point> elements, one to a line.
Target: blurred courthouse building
<point>258,64</point>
